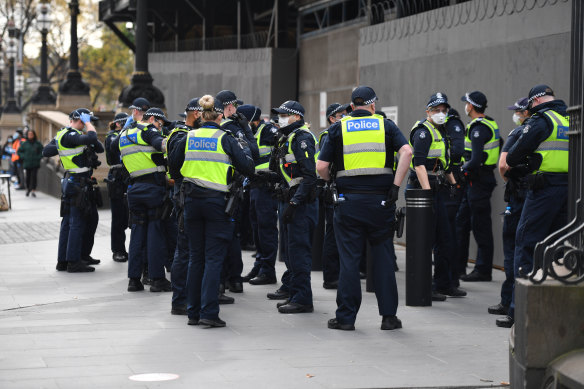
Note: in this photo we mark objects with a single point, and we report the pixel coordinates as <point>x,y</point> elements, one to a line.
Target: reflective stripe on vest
<point>206,163</point>
<point>555,149</point>
<point>290,159</point>
<point>492,147</point>
<point>364,151</point>
<point>136,153</point>
<point>66,154</point>
<point>437,147</point>
<point>265,151</point>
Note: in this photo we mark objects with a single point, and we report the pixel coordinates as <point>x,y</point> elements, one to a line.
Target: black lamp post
<point>2,64</point>
<point>11,53</point>
<point>141,84</point>
<point>74,84</point>
<point>44,94</point>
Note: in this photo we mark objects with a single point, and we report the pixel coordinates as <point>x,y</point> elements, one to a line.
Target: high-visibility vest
<point>206,163</point>
<point>265,150</point>
<point>437,147</point>
<point>136,153</point>
<point>554,150</point>
<point>364,149</point>
<point>492,147</point>
<point>66,154</point>
<point>288,163</point>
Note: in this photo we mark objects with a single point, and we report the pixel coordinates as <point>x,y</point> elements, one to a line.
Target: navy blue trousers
<point>510,224</point>
<point>283,233</point>
<point>209,231</point>
<point>180,263</point>
<point>359,218</point>
<point>78,228</point>
<point>147,238</point>
<point>477,203</point>
<point>545,211</point>
<point>120,215</point>
<point>330,252</point>
<point>264,220</point>
<point>298,235</point>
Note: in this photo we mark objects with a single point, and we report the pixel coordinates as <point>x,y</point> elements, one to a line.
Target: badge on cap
<point>439,95</point>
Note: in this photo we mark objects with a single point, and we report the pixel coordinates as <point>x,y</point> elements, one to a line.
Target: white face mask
<point>438,118</point>
<point>283,121</point>
<point>516,119</point>
<point>466,109</point>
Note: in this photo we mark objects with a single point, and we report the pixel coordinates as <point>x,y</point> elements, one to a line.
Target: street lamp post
<point>2,64</point>
<point>11,53</point>
<point>44,94</point>
<point>74,84</point>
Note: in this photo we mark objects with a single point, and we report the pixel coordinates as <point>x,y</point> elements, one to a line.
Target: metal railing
<point>248,41</point>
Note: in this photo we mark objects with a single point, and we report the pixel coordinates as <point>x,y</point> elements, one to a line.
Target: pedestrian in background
<point>31,153</point>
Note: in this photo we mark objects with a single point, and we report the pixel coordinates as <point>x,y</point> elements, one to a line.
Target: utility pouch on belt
<point>536,181</point>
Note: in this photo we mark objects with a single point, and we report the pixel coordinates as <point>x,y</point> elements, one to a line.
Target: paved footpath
<point>60,330</point>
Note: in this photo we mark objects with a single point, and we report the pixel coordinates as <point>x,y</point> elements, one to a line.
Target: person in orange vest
<point>16,162</point>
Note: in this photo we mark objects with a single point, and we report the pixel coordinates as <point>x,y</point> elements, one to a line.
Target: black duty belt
<point>371,192</point>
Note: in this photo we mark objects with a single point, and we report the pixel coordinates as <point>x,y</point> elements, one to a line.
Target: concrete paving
<point>60,330</point>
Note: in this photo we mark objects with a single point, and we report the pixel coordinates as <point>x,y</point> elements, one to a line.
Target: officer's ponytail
<point>207,102</point>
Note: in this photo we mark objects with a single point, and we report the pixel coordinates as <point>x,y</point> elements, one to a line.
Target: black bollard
<point>318,238</point>
<point>419,240</point>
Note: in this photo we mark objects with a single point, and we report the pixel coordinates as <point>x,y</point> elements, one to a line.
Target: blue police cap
<point>437,99</point>
<point>227,97</point>
<point>520,105</point>
<point>120,117</point>
<point>476,99</point>
<point>156,112</point>
<point>251,113</point>
<point>193,105</point>
<point>290,107</point>
<point>540,90</point>
<point>363,95</point>
<point>75,115</point>
<point>336,107</point>
<point>140,103</point>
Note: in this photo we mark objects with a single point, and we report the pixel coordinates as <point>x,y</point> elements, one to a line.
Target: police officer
<point>515,191</point>
<point>431,171</point>
<point>263,206</point>
<point>298,211</point>
<point>181,296</point>
<point>237,124</point>
<point>544,144</point>
<point>117,184</point>
<point>139,106</point>
<point>481,145</point>
<point>330,253</point>
<point>210,157</point>
<point>77,152</point>
<point>142,147</point>
<point>362,147</point>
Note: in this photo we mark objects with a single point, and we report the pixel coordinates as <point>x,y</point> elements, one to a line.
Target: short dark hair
<point>359,102</point>
<point>479,110</point>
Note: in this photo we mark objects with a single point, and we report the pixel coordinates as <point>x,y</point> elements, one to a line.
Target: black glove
<point>289,213</point>
<point>452,189</point>
<point>267,176</point>
<point>392,196</point>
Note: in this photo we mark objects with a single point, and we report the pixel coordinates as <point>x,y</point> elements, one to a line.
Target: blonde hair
<point>207,102</point>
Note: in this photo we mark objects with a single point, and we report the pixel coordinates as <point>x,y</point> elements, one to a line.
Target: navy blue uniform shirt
<point>244,133</point>
<point>172,148</point>
<point>304,148</point>
<point>512,138</point>
<point>536,129</point>
<point>455,132</point>
<point>479,135</point>
<point>112,154</point>
<point>240,156</point>
<point>332,151</point>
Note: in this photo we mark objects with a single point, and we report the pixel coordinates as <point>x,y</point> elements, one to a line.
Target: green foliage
<point>107,69</point>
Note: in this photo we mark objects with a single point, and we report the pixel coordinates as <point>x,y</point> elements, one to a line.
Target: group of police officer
<point>179,187</point>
